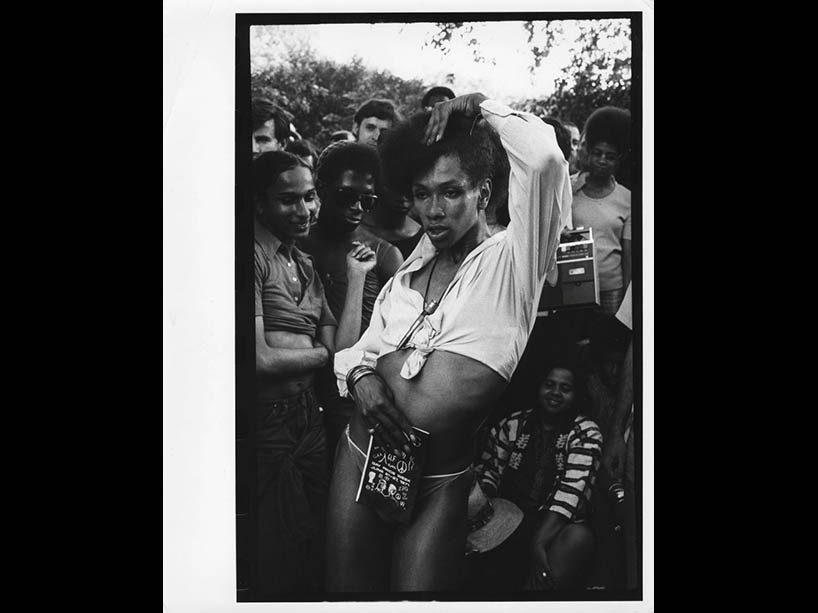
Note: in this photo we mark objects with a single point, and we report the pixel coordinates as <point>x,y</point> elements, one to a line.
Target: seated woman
<point>445,335</point>
<point>544,460</point>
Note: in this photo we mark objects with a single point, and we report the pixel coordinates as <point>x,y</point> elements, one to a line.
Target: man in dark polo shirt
<point>295,336</point>
<point>348,178</point>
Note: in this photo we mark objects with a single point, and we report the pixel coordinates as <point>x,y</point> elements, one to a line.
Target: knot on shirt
<point>423,342</point>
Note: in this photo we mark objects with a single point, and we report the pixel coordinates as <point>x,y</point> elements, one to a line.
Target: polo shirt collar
<point>269,241</point>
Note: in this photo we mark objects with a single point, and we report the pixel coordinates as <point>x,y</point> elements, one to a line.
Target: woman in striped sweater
<point>544,460</point>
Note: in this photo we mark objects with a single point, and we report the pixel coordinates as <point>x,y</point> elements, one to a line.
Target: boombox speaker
<point>577,280</point>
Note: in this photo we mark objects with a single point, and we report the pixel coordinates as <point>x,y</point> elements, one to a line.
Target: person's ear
<point>355,127</point>
<point>485,193</point>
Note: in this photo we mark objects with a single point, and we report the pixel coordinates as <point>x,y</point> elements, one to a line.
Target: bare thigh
<point>357,539</point>
<point>570,554</point>
<point>429,554</point>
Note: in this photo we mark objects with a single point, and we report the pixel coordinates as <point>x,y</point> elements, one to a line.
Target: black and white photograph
<point>408,306</point>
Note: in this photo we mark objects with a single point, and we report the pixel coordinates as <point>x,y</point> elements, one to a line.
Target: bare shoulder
<point>378,244</point>
<point>366,234</point>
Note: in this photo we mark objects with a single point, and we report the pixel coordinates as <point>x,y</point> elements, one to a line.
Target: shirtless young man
<point>295,335</point>
<point>347,177</point>
<point>455,366</point>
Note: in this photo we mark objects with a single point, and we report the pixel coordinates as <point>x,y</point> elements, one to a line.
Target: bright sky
<point>399,48</point>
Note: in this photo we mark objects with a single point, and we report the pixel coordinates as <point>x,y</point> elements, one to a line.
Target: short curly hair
<point>302,148</point>
<point>569,359</point>
<point>404,156</point>
<point>344,155</point>
<point>609,124</point>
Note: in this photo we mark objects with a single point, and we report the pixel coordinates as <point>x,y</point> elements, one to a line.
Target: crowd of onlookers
<point>330,233</point>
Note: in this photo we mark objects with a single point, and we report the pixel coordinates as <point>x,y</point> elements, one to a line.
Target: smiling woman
<point>544,461</point>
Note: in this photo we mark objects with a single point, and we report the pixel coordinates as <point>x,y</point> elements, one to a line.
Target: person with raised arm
<point>445,336</point>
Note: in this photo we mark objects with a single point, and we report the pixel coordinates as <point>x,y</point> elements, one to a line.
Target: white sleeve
<point>539,192</point>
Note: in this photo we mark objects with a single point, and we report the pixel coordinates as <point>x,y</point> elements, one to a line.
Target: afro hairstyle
<point>609,124</point>
<point>405,157</point>
<point>341,156</point>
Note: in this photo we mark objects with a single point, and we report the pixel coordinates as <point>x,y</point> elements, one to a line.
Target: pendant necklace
<point>429,307</point>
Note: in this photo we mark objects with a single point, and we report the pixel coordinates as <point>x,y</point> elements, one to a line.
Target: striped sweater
<point>578,456</point>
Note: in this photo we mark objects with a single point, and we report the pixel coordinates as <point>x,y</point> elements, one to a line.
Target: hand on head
<point>468,105</point>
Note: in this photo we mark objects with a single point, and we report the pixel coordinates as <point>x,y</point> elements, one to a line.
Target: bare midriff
<point>269,388</point>
<point>449,398</point>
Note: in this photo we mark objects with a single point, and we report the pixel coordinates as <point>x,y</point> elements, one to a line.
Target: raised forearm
<point>349,325</point>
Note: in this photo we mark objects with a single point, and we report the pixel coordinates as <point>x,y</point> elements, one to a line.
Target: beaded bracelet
<point>355,374</point>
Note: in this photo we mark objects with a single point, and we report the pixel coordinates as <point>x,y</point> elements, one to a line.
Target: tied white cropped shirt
<point>489,309</point>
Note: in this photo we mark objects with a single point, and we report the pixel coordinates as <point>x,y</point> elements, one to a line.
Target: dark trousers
<point>292,488</point>
<point>337,410</point>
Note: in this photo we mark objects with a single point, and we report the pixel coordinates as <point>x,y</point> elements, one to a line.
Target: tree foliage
<point>324,95</point>
<point>598,75</point>
<point>599,72</point>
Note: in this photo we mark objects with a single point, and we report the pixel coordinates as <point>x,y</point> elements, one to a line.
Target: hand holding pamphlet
<point>390,480</point>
